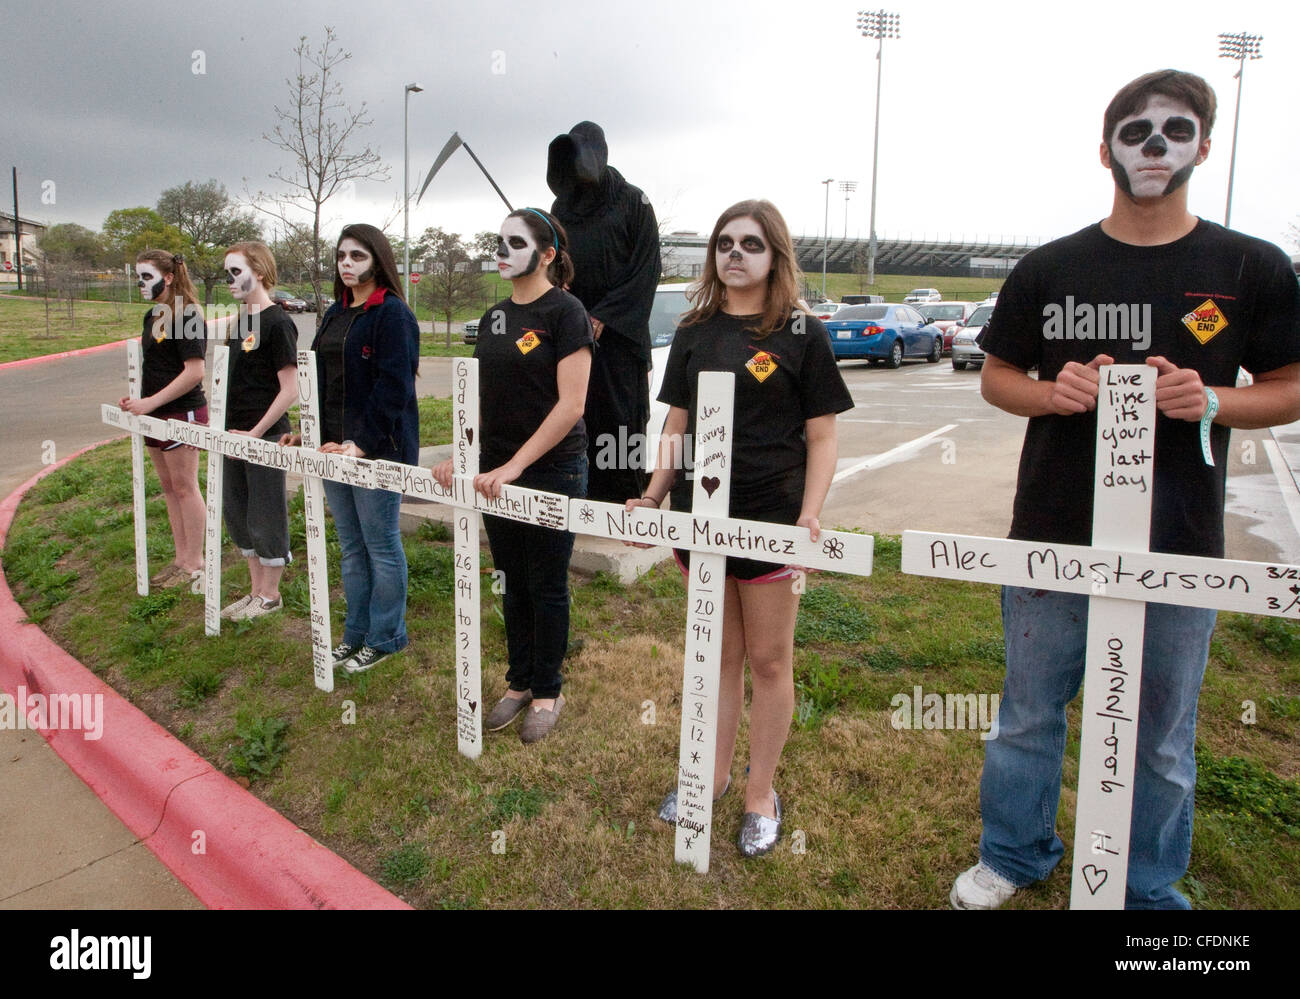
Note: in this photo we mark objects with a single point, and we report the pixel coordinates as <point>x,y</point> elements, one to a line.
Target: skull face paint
<point>151,282</point>
<point>743,257</point>
<point>240,276</point>
<point>517,252</point>
<point>355,264</point>
<point>1153,152</point>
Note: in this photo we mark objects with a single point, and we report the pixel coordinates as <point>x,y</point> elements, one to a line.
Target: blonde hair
<point>259,257</point>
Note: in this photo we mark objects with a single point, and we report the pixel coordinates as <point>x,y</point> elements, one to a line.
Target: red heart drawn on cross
<point>710,483</point>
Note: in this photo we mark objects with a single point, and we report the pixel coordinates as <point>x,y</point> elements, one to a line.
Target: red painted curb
<point>24,362</point>
<point>167,795</point>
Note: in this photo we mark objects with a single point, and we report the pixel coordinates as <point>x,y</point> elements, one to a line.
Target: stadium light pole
<point>411,88</point>
<point>848,187</point>
<point>1239,46</point>
<point>826,222</point>
<point>878,24</point>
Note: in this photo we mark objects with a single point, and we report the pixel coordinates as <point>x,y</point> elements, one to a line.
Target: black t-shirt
<point>782,380</point>
<point>329,355</point>
<point>252,380</point>
<point>167,346</point>
<point>1213,301</point>
<point>519,349</point>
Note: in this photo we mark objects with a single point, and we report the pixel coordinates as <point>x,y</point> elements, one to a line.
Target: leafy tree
<point>322,136</point>
<point>130,231</point>
<point>211,221</point>
<point>452,281</point>
<point>484,245</point>
<point>73,244</point>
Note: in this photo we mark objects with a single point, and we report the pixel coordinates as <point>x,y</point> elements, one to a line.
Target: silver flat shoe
<point>668,807</point>
<point>758,833</point>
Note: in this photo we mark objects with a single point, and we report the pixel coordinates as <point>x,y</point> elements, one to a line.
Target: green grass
<point>371,769</point>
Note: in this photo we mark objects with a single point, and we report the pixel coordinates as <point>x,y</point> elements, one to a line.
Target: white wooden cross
<point>1120,576</point>
<point>707,532</point>
<point>216,468</point>
<point>711,536</point>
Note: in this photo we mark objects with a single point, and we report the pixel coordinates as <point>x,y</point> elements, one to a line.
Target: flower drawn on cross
<point>834,548</point>
<point>586,514</point>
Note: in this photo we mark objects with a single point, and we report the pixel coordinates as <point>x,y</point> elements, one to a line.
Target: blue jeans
<point>1046,636</point>
<point>535,561</point>
<point>373,565</point>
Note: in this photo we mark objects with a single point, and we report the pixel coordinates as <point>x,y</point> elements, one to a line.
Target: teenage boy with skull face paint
<point>1219,300</point>
<point>173,346</point>
<point>534,354</point>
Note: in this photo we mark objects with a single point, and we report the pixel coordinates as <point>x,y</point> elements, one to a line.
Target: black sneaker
<point>366,657</point>
<point>344,651</point>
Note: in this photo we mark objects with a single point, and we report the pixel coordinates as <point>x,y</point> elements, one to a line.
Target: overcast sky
<point>990,113</point>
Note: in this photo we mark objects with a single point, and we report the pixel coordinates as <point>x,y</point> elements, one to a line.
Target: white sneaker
<point>980,888</point>
<point>230,610</point>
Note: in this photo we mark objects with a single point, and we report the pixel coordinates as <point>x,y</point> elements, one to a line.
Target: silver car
<point>964,349</point>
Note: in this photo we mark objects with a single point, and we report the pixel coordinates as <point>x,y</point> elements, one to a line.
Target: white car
<point>964,348</point>
<point>826,310</point>
<point>991,300</point>
<point>919,296</point>
<point>670,304</point>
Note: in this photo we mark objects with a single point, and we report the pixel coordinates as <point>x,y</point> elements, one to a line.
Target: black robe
<point>614,243</point>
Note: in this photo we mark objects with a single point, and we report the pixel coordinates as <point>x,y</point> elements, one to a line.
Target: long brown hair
<point>782,298</point>
<point>381,253</point>
<point>173,264</point>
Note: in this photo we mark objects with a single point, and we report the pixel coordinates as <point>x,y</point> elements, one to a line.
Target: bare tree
<point>321,133</point>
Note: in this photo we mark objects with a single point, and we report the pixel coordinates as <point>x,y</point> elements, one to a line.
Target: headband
<point>554,237</point>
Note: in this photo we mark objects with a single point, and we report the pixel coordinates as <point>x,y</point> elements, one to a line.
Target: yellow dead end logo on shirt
<point>1205,320</point>
<point>761,365</point>
<point>528,341</point>
<point>250,342</point>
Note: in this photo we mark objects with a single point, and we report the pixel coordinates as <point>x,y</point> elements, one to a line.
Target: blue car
<point>885,333</point>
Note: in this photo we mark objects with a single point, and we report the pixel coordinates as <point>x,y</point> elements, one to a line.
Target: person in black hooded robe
<point>614,243</point>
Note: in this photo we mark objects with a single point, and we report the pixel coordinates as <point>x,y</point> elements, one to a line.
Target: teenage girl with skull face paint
<point>746,319</point>
<point>261,385</point>
<point>367,355</point>
<point>172,388</point>
<point>534,354</point>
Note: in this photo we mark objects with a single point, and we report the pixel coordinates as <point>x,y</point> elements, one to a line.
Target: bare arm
<point>174,389</point>
<point>823,451</point>
<point>1010,388</point>
<point>667,461</point>
<point>1274,399</point>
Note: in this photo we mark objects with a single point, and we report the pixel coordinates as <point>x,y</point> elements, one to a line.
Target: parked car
<point>315,304</point>
<point>287,301</point>
<point>947,316</point>
<point>919,296</point>
<point>863,299</point>
<point>471,331</point>
<point>991,300</point>
<point>827,310</point>
<point>669,306</point>
<point>964,349</point>
<point>884,333</point>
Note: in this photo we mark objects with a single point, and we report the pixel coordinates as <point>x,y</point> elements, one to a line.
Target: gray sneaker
<point>259,606</point>
<point>506,710</point>
<point>230,611</point>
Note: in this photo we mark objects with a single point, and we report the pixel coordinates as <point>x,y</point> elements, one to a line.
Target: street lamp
<point>848,187</point>
<point>878,24</point>
<point>411,88</point>
<point>1241,47</point>
<point>826,229</point>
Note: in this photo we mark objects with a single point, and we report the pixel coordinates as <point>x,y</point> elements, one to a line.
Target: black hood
<point>577,167</point>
